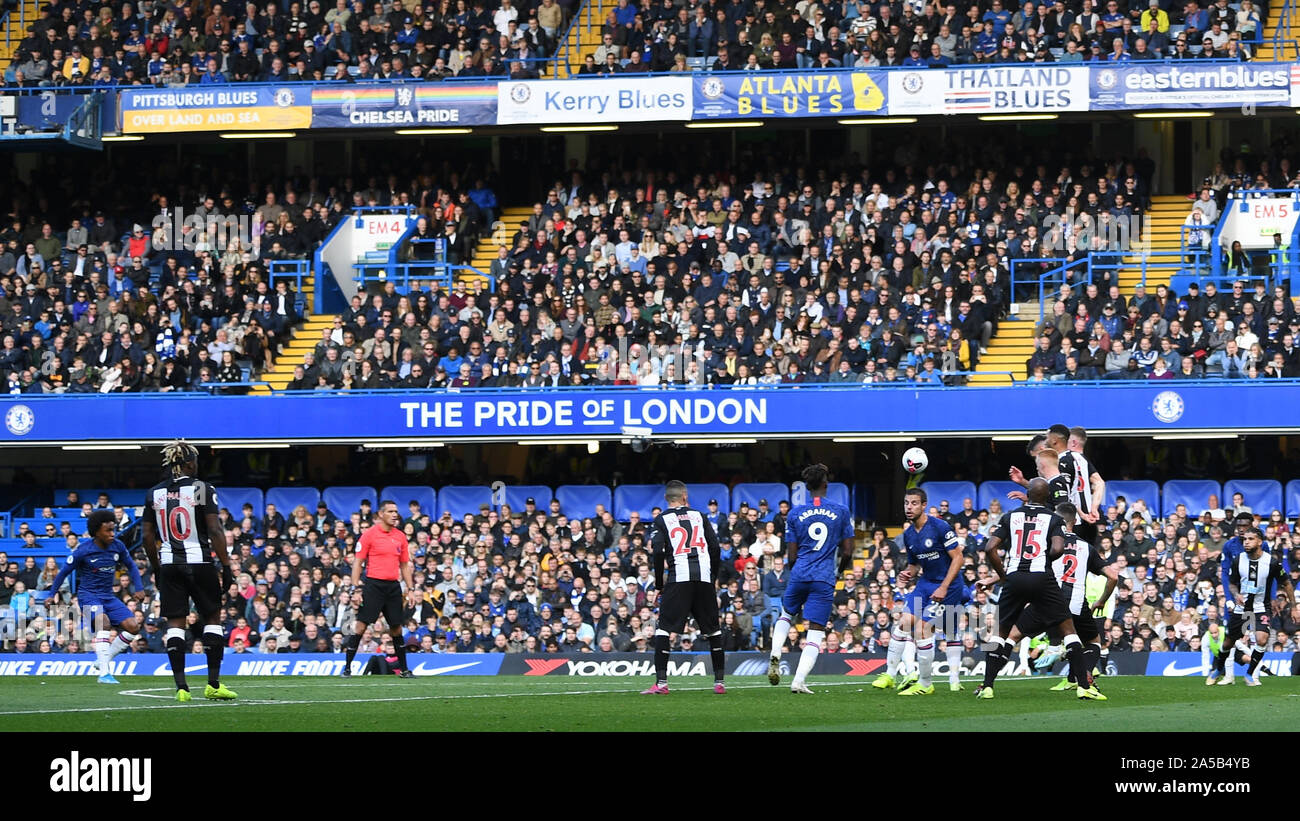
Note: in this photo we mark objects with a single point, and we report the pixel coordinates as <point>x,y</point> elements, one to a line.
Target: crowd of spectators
<point>533,580</point>
<point>181,42</point>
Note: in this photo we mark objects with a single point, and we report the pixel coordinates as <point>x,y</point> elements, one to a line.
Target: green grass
<point>601,704</point>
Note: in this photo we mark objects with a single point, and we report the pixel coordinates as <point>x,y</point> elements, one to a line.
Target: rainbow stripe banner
<point>403,105</point>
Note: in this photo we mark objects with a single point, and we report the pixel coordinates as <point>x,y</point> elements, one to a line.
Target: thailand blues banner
<point>1187,84</point>
<point>1037,88</point>
<point>214,108</point>
<point>410,105</point>
<point>606,100</point>
<point>790,94</point>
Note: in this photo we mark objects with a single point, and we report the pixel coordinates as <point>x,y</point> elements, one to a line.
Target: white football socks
<point>953,654</point>
<point>808,658</point>
<point>102,654</point>
<point>780,631</point>
<point>925,660</point>
<point>897,640</point>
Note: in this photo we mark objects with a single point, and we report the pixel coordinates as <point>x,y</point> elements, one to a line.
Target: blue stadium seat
<point>1263,496</point>
<point>286,499</point>
<point>343,501</point>
<point>994,490</point>
<point>116,495</point>
<point>461,499</point>
<point>1195,493</point>
<point>44,547</point>
<point>233,499</point>
<point>38,525</point>
<point>404,494</point>
<point>579,501</point>
<point>1293,498</point>
<point>837,492</point>
<point>701,493</point>
<point>1132,490</point>
<point>516,495</point>
<point>954,492</point>
<point>641,498</point>
<point>753,492</point>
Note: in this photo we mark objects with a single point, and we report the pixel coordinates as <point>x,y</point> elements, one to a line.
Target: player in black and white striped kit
<point>181,532</point>
<point>686,560</point>
<point>1034,537</point>
<point>1087,488</point>
<point>1253,578</point>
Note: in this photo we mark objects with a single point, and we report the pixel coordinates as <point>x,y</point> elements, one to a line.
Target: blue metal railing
<point>298,270</point>
<point>1241,200</point>
<point>440,274</point>
<point>571,32</point>
<point>1282,34</point>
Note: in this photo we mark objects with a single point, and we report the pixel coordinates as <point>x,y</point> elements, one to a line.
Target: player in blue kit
<point>95,561</point>
<point>934,558</point>
<point>812,532</point>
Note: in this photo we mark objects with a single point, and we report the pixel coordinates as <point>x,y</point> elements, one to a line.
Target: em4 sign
<point>378,232</point>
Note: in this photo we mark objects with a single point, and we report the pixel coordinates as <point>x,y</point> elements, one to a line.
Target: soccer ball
<point>915,460</point>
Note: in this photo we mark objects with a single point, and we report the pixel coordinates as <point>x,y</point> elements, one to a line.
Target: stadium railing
<point>403,273</point>
<point>1241,199</point>
<point>296,270</point>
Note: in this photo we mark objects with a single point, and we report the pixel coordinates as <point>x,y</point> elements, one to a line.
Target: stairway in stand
<point>583,37</point>
<point>1008,350</point>
<point>14,29</point>
<point>1167,214</point>
<point>1264,52</point>
<point>506,225</point>
<point>304,339</point>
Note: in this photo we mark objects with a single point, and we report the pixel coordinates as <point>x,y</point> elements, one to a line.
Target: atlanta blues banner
<point>409,105</point>
<point>790,94</point>
<point>213,108</point>
<point>1185,84</point>
<point>989,90</point>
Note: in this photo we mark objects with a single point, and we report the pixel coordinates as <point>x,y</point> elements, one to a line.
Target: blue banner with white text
<point>518,415</point>
<point>1187,85</point>
<point>242,664</point>
<point>1193,664</point>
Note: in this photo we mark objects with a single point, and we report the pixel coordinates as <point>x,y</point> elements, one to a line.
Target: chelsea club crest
<point>19,420</point>
<point>1167,407</point>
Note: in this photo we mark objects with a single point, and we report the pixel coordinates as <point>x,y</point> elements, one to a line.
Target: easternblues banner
<point>616,99</point>
<point>214,108</point>
<point>1035,88</point>
<point>517,415</point>
<point>790,94</point>
<point>409,105</point>
<point>1184,84</point>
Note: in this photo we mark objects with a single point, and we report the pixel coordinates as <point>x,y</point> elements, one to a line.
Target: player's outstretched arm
<point>217,536</point>
<point>994,559</point>
<point>847,548</point>
<point>1018,476</point>
<point>1112,579</point>
<point>1056,547</point>
<point>151,542</point>
<point>791,553</point>
<point>67,568</point>
<point>125,558</point>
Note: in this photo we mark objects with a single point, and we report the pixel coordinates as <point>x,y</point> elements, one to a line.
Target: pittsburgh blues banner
<point>214,108</point>
<point>1035,88</point>
<point>790,94</point>
<point>403,105</point>
<point>1186,84</point>
<point>620,413</point>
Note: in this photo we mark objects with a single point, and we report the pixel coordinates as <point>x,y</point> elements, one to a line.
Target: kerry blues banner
<point>1186,84</point>
<point>213,108</point>
<point>403,105</point>
<point>616,99</point>
<point>790,94</point>
<point>1035,88</point>
<point>615,413</point>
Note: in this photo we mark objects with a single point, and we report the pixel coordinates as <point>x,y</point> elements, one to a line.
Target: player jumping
<point>809,531</point>
<point>95,561</point>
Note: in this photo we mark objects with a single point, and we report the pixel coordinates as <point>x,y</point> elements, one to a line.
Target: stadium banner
<point>790,94</point>
<point>1184,84</point>
<point>243,664</point>
<point>617,99</point>
<point>1192,664</point>
<point>1036,88</point>
<point>431,105</point>
<point>640,412</point>
<point>213,108</point>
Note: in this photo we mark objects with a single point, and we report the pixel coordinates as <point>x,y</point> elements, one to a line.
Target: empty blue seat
<point>641,498</point>
<point>517,495</point>
<point>994,490</point>
<point>461,499</point>
<point>234,498</point>
<point>580,501</point>
<point>954,492</point>
<point>700,494</point>
<point>1195,493</point>
<point>1293,498</point>
<point>1132,490</point>
<point>116,495</point>
<point>753,492</point>
<point>345,500</point>
<point>405,494</point>
<point>286,499</point>
<point>1263,496</point>
<point>837,492</point>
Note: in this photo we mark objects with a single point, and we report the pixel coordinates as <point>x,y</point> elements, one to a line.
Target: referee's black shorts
<point>381,596</point>
<point>1024,588</point>
<point>682,600</point>
<point>179,583</point>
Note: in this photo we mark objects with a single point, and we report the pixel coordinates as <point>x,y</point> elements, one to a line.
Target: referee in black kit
<point>686,561</point>
<point>383,551</point>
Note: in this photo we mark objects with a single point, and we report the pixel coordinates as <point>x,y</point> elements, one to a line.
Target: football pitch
<point>552,704</point>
